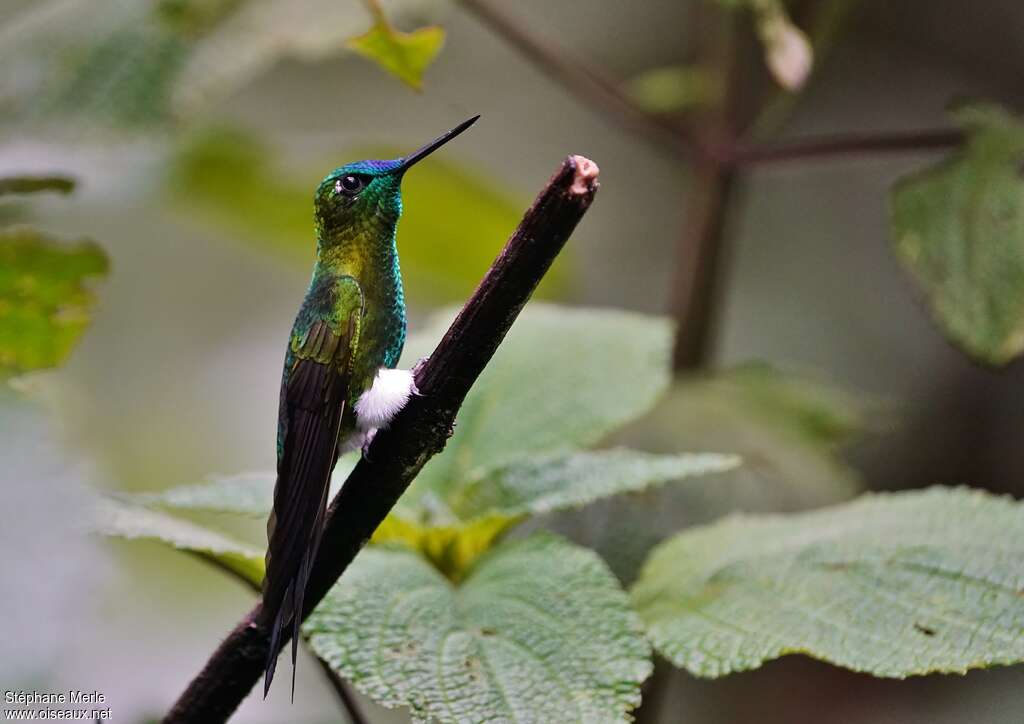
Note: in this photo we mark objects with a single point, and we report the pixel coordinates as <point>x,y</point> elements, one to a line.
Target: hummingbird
<point>340,384</point>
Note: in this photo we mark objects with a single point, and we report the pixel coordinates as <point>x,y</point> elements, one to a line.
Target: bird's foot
<point>414,371</point>
<point>367,441</point>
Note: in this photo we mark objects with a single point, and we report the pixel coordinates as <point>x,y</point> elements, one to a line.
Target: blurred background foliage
<point>198,129</point>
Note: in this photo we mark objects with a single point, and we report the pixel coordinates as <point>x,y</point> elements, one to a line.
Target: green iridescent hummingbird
<point>339,384</point>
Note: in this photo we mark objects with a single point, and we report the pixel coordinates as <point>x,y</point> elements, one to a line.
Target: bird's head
<point>368,192</point>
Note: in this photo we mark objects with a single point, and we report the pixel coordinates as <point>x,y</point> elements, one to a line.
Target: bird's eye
<point>349,185</point>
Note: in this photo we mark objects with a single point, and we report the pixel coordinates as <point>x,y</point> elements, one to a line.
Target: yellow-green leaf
<point>405,55</point>
<point>451,548</point>
<point>44,301</point>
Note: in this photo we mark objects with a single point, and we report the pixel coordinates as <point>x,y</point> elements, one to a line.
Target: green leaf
<point>246,43</point>
<point>892,585</point>
<point>810,409</point>
<point>539,630</point>
<point>450,547</point>
<point>453,225</point>
<point>561,380</point>
<point>405,55</point>
<point>959,230</point>
<point>787,429</point>
<point>250,494</point>
<point>141,65</point>
<point>536,486</point>
<point>122,520</point>
<point>452,532</point>
<point>103,64</point>
<point>195,17</point>
<point>35,184</point>
<point>453,535</point>
<point>674,88</point>
<point>44,303</point>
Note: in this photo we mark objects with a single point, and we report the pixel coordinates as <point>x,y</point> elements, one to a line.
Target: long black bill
<point>434,145</point>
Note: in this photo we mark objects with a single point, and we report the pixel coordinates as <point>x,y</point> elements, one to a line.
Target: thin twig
<point>344,693</point>
<point>699,255</point>
<point>418,432</point>
<point>588,83</point>
<point>854,144</point>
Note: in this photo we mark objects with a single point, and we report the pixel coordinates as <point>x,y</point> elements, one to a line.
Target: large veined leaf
<point>44,301</point>
<point>122,520</point>
<point>893,585</point>
<point>538,631</point>
<point>452,531</point>
<point>453,225</point>
<point>451,547</point>
<point>562,379</point>
<point>250,494</point>
<point>452,534</point>
<point>958,228</point>
<point>541,485</point>
<point>786,429</point>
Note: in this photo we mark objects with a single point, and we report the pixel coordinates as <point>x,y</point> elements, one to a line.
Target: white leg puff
<point>389,393</point>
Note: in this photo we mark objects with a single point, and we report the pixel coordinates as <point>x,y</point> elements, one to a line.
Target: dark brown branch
<point>588,83</point>
<point>417,433</point>
<point>865,144</point>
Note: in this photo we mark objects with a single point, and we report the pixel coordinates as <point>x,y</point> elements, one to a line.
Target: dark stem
<point>417,433</point>
<point>586,82</point>
<point>695,294</point>
<point>344,693</point>
<point>847,145</point>
<point>699,255</point>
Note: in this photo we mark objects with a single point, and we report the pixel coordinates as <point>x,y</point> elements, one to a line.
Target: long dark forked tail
<point>295,528</point>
